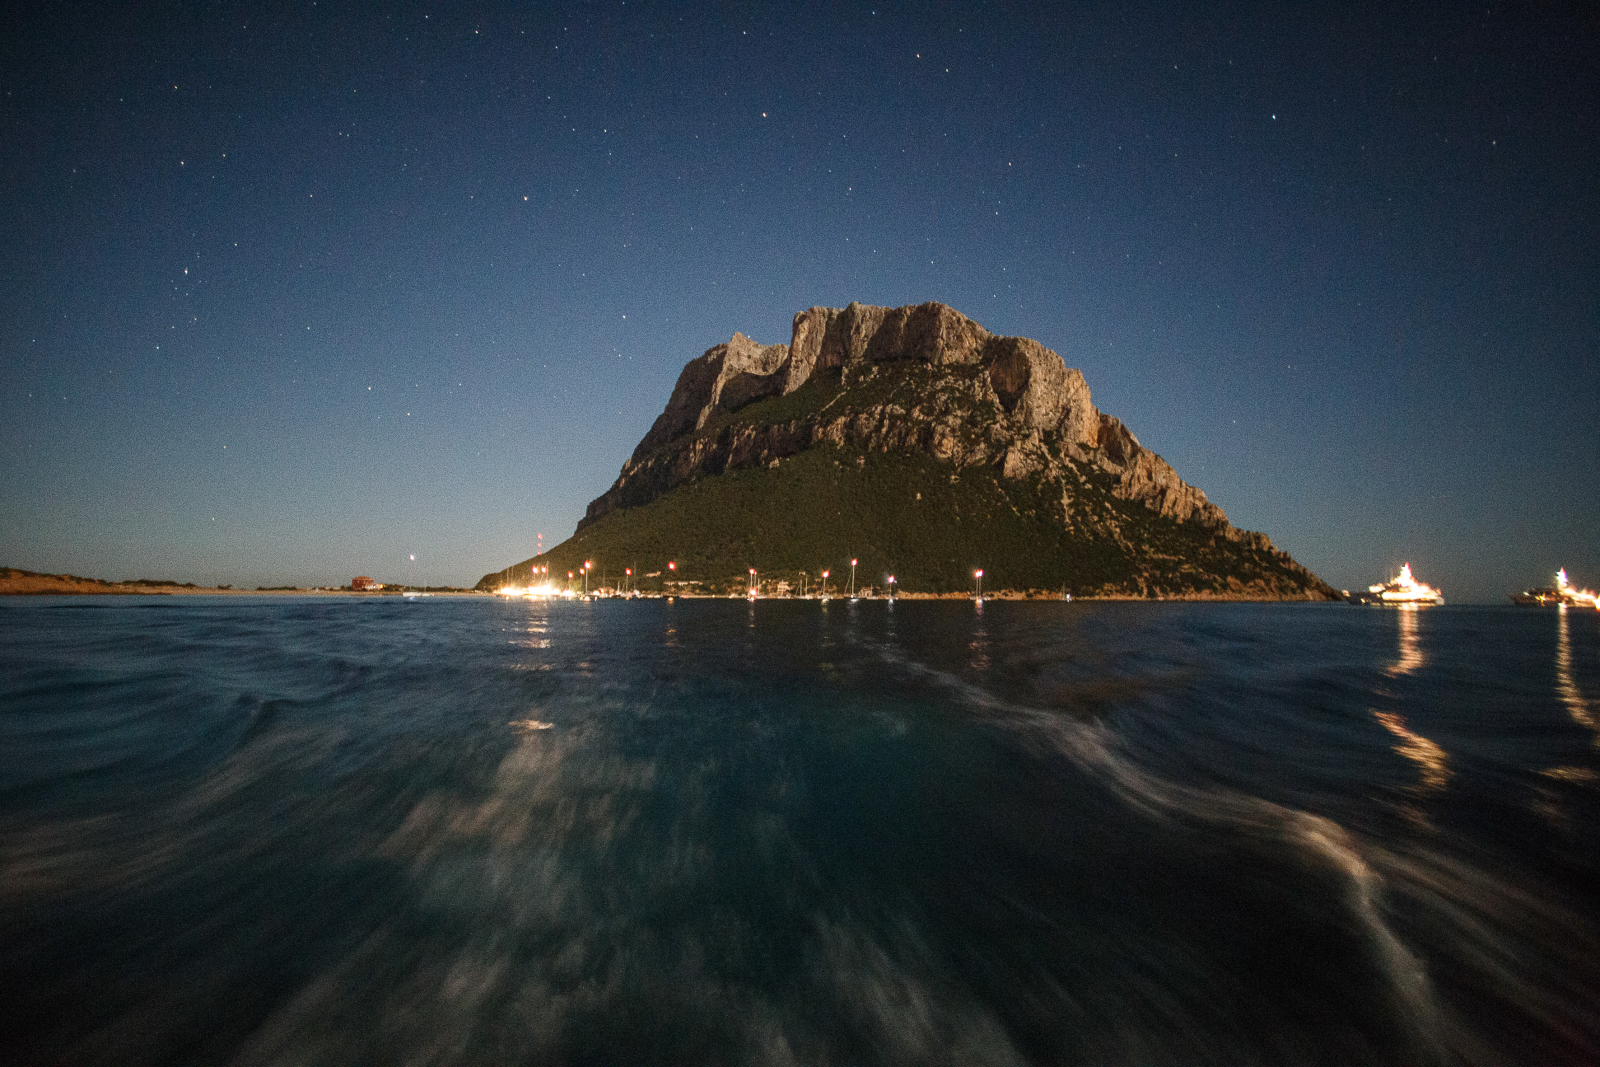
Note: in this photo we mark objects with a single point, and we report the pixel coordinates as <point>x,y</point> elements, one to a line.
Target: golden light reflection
<point>1581,775</point>
<point>978,647</point>
<point>1432,762</point>
<point>1567,686</point>
<point>1578,707</point>
<point>1411,656</point>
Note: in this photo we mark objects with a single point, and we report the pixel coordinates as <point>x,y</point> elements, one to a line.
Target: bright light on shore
<point>542,591</point>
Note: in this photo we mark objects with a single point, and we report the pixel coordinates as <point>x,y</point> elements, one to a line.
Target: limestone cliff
<point>1045,411</point>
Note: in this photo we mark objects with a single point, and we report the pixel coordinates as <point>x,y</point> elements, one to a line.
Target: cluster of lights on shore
<point>1403,590</point>
<point>544,587</point>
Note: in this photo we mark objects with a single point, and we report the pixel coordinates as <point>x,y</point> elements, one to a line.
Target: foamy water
<point>459,832</point>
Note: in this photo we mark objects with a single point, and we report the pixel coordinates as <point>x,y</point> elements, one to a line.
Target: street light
<point>890,584</point>
<point>825,575</point>
<point>752,583</point>
<point>629,572</point>
<point>853,563</point>
<point>977,576</point>
<point>587,564</point>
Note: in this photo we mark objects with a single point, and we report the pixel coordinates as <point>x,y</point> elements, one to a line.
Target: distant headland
<point>17,582</point>
<point>920,444</point>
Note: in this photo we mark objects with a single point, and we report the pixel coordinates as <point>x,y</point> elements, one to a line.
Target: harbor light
<point>977,577</point>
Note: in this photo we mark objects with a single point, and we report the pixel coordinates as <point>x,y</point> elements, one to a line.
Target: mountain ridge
<point>1031,382</point>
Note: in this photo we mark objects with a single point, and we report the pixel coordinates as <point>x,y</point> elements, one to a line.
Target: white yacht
<point>1563,593</point>
<point>1403,590</point>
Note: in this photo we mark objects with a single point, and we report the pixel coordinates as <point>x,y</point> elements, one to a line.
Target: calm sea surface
<point>344,832</point>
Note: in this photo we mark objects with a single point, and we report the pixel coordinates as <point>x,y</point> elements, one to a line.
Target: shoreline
<point>15,582</point>
<point>13,588</point>
<point>181,591</point>
<point>28,584</point>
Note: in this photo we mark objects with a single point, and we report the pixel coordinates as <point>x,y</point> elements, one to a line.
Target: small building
<point>362,583</point>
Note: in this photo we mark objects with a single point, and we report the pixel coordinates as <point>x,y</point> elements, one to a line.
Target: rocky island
<point>917,441</point>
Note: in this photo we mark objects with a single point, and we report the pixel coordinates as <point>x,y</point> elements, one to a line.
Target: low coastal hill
<point>16,581</point>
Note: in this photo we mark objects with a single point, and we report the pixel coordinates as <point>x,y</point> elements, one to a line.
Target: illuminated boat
<point>1401,591</point>
<point>1563,593</point>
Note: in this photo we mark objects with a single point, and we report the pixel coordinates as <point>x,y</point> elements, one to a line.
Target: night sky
<point>295,292</point>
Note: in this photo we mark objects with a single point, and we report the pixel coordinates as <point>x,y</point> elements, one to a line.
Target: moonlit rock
<point>1051,414</point>
<point>928,383</point>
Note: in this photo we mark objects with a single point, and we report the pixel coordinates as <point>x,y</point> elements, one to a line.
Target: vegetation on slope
<point>926,522</point>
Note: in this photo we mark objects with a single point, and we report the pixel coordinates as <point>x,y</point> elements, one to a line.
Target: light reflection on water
<point>1431,760</point>
<point>978,646</point>
<point>711,832</point>
<point>1576,703</point>
<point>1580,709</point>
<point>1411,655</point>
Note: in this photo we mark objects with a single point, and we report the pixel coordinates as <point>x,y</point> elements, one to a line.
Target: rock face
<point>930,444</point>
<point>1046,414</point>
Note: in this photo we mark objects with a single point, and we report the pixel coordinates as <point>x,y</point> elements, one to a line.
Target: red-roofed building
<point>363,582</point>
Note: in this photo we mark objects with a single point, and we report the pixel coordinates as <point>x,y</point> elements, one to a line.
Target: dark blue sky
<point>297,291</point>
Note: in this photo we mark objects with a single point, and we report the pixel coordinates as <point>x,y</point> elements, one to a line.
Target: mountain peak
<point>1029,380</point>
<point>1029,383</point>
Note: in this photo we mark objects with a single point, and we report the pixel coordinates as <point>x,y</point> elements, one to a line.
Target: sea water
<point>471,831</point>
